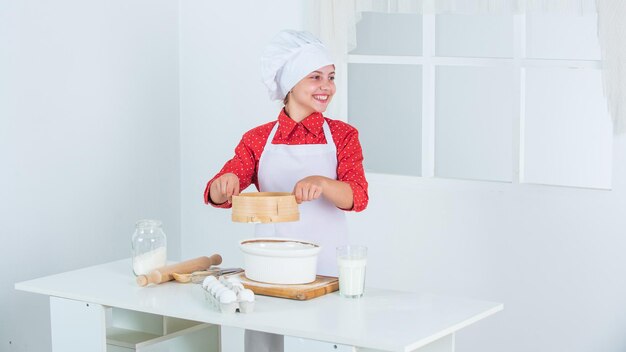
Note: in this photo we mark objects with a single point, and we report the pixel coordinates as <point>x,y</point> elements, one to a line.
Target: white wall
<point>89,142</point>
<point>221,97</point>
<point>551,254</point>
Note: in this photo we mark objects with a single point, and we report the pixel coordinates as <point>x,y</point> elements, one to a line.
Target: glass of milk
<point>351,260</point>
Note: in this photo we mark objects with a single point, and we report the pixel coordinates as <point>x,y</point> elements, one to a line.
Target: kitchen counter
<point>382,320</point>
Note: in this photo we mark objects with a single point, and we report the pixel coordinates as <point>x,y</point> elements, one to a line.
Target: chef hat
<point>288,58</point>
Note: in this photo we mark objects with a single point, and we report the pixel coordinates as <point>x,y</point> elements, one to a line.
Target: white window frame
<point>429,62</point>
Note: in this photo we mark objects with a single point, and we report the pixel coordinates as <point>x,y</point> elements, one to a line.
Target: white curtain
<point>334,21</point>
<point>612,36</point>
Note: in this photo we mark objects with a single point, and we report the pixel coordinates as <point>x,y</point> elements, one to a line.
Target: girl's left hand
<point>309,188</point>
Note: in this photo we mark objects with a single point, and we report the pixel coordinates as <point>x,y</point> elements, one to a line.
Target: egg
<point>211,284</point>
<point>234,281</point>
<point>246,295</point>
<point>227,296</point>
<point>219,291</point>
<point>207,280</point>
<point>237,287</point>
<point>216,287</point>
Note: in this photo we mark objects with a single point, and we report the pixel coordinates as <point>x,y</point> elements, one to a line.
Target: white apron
<point>321,222</point>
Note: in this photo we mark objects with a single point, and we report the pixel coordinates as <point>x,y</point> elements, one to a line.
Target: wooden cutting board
<point>321,286</point>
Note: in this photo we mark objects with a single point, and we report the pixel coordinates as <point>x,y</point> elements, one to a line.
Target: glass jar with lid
<point>149,246</point>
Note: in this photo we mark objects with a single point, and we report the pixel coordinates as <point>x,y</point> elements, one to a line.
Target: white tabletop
<point>382,319</point>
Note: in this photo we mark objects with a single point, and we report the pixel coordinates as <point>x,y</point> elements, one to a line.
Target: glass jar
<point>149,247</point>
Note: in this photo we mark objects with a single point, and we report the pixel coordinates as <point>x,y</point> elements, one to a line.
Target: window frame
<point>429,62</point>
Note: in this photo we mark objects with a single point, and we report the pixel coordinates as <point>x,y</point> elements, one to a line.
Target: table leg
<point>77,326</point>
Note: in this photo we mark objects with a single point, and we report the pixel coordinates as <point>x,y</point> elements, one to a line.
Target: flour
<point>146,262</point>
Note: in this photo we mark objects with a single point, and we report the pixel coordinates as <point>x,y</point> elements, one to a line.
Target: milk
<point>351,276</point>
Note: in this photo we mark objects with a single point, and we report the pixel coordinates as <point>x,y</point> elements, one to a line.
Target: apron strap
<point>271,136</point>
<point>329,137</point>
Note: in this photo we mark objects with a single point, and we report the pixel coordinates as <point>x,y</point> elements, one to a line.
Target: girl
<point>316,158</point>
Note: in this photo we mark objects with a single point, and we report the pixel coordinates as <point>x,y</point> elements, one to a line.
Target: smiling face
<point>312,94</point>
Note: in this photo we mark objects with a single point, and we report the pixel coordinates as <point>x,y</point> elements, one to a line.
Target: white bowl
<point>280,260</point>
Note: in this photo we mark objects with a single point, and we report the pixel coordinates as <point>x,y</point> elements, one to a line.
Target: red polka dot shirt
<point>245,163</point>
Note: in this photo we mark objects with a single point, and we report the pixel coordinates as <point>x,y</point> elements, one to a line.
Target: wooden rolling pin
<point>164,274</point>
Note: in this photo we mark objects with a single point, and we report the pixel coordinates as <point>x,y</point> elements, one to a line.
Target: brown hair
<point>286,99</point>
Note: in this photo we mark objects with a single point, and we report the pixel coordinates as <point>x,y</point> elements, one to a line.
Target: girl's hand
<point>309,188</point>
<point>224,188</point>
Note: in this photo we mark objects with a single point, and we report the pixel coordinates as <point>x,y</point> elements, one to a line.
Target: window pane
<point>385,104</point>
<point>389,34</point>
<point>552,36</point>
<point>473,122</point>
<point>474,35</point>
<point>567,130</point>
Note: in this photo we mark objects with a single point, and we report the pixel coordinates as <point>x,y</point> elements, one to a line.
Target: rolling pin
<point>164,274</point>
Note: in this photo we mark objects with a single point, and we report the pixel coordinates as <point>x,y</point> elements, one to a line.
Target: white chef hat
<point>288,58</point>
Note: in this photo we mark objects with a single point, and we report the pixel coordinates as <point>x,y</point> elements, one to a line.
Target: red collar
<point>312,123</point>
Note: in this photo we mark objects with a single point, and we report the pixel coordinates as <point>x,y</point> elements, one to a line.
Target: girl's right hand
<point>224,188</point>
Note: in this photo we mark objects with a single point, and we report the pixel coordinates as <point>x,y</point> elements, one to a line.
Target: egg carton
<point>228,295</point>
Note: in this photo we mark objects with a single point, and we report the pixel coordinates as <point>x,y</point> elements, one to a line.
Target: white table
<point>382,320</point>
